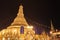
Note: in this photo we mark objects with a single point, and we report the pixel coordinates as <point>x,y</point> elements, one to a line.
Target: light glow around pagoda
<point>21,30</point>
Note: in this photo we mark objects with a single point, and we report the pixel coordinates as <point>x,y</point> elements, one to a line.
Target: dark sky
<point>41,11</point>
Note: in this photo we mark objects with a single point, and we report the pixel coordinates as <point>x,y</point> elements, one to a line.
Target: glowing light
<point>8,38</point>
<point>3,32</point>
<point>15,30</point>
<point>30,27</point>
<point>3,38</point>
<point>50,32</point>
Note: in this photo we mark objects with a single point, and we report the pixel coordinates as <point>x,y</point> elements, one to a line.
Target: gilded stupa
<point>19,20</point>
<point>18,29</point>
<point>21,30</point>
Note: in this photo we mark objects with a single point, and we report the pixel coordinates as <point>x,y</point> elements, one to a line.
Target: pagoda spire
<point>20,19</point>
<point>20,11</point>
<point>52,27</point>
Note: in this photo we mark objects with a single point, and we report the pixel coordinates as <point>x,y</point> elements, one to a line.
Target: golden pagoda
<point>20,29</point>
<point>19,20</point>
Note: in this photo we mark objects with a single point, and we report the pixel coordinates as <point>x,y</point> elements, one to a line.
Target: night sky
<point>40,11</point>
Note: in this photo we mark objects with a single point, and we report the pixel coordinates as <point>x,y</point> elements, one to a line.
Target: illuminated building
<point>20,30</point>
<point>54,33</point>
